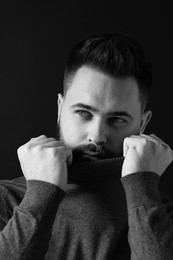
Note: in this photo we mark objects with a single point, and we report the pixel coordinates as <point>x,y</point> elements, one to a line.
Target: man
<point>93,193</point>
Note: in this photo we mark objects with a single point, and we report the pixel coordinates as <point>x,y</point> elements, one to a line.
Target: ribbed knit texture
<point>100,216</point>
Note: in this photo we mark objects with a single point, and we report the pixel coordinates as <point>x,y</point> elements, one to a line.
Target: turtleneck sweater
<point>98,216</point>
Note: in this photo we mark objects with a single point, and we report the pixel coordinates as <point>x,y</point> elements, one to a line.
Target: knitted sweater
<point>99,216</point>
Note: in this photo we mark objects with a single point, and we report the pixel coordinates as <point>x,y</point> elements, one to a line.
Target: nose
<point>97,133</point>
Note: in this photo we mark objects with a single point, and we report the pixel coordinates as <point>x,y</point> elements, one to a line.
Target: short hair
<point>114,54</point>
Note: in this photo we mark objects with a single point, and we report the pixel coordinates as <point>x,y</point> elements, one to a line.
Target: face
<point>98,109</point>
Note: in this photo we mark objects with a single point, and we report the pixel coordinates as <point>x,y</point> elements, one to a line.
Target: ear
<point>59,103</point>
<point>146,116</point>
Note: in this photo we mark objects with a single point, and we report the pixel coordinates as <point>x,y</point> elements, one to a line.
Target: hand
<point>45,159</point>
<point>145,153</point>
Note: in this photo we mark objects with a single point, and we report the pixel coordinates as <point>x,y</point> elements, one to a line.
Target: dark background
<point>34,44</point>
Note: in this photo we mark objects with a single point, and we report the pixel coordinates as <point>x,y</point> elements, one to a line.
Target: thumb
<point>125,146</point>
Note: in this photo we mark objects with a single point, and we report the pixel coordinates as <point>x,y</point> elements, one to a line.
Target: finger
<point>156,137</point>
<point>126,146</point>
<point>152,138</point>
<point>131,143</point>
<point>45,140</point>
<point>67,153</point>
<point>41,137</point>
<point>53,143</point>
<point>143,136</point>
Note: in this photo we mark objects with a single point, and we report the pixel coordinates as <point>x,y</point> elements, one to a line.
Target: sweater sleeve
<point>150,221</point>
<point>26,234</point>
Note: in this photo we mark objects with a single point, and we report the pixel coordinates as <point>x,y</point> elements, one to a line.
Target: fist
<point>45,159</point>
<point>145,153</point>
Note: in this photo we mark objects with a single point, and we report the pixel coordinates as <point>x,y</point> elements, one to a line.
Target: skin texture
<point>45,159</point>
<point>105,95</point>
<point>97,110</point>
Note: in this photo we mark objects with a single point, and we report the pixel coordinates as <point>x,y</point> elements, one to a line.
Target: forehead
<point>96,88</point>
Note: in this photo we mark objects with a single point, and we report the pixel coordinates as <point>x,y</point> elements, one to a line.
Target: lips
<point>93,154</point>
<point>90,152</point>
<point>87,156</point>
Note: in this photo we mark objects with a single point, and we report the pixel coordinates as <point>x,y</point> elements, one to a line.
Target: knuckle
<point>52,151</point>
<point>32,148</point>
<point>19,151</point>
<point>37,138</point>
<point>41,137</point>
<point>32,139</point>
<point>28,146</point>
<point>22,150</point>
<point>37,148</point>
<point>126,139</point>
<point>144,141</point>
<point>52,140</point>
<point>153,135</point>
<point>58,152</point>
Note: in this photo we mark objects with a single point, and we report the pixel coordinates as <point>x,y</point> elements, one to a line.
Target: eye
<point>86,115</point>
<point>117,120</point>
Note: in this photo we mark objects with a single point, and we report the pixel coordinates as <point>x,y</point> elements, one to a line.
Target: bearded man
<point>93,193</point>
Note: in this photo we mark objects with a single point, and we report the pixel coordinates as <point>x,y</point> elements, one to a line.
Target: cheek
<point>116,141</point>
<point>116,138</point>
<point>71,132</point>
<point>132,129</point>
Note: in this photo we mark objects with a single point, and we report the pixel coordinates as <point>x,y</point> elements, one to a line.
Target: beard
<point>90,152</point>
<point>87,152</point>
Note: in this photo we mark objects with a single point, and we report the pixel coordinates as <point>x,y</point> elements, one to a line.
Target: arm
<point>150,225</point>
<point>150,221</point>
<point>26,234</point>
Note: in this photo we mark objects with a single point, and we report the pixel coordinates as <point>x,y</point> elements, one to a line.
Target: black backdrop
<point>34,44</point>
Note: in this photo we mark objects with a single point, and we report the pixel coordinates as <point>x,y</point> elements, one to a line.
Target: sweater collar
<point>92,171</point>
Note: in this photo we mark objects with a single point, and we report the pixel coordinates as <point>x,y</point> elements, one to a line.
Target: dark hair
<point>113,54</point>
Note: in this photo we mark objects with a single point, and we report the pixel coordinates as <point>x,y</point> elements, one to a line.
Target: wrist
<point>141,188</point>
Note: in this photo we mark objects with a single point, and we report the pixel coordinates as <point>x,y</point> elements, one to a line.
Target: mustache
<point>86,152</point>
<point>91,152</point>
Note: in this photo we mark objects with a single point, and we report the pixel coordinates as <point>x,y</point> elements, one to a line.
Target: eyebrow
<point>95,110</point>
